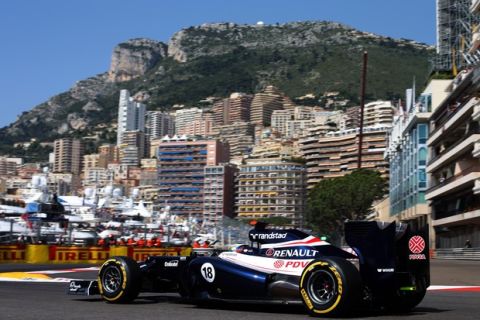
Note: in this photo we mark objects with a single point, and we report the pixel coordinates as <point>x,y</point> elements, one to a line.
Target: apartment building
<point>68,155</point>
<point>8,166</point>
<point>280,119</point>
<point>184,117</point>
<point>352,117</point>
<point>149,172</point>
<point>131,115</point>
<point>271,188</point>
<point>96,176</point>
<point>202,125</point>
<point>292,123</point>
<point>159,124</point>
<point>296,129</point>
<point>377,113</point>
<point>218,193</point>
<point>236,108</point>
<point>109,153</point>
<point>240,137</point>
<point>181,172</point>
<point>134,147</point>
<point>453,167</point>
<point>63,183</point>
<point>27,170</point>
<point>407,156</point>
<point>336,153</point>
<point>273,148</point>
<point>263,105</point>
<point>91,161</point>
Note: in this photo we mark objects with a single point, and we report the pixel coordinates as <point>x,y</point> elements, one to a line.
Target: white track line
<point>65,270</point>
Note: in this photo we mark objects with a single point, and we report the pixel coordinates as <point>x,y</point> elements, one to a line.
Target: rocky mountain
<point>217,59</point>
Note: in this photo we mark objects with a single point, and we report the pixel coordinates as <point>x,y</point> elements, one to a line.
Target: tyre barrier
<point>46,254</point>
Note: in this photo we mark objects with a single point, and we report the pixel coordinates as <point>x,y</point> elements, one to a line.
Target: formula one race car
<point>387,266</point>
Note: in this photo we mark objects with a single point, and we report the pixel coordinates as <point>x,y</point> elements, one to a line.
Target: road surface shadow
<point>261,307</point>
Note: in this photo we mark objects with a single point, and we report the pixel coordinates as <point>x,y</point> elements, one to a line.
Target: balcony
<point>476,150</point>
<point>454,152</point>
<point>476,187</point>
<point>451,117</point>
<point>465,179</point>
<point>476,113</point>
<point>468,217</point>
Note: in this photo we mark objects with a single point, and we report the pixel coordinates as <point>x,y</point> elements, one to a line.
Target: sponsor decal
<point>290,264</point>
<point>297,264</point>
<point>386,270</point>
<point>417,257</point>
<point>307,300</point>
<point>12,255</point>
<point>78,254</point>
<point>141,254</point>
<point>232,254</point>
<point>173,263</point>
<point>278,264</point>
<point>270,252</point>
<point>416,244</point>
<point>74,287</point>
<point>294,253</point>
<point>268,236</point>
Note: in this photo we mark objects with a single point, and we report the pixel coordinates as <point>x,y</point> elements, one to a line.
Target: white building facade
<point>131,115</point>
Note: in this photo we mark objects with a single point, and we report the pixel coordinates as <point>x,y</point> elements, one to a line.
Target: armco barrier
<point>45,254</point>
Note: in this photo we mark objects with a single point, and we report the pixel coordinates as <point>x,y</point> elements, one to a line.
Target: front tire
<point>119,280</point>
<point>330,287</point>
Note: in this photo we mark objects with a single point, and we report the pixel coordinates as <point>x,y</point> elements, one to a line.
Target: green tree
<point>333,201</point>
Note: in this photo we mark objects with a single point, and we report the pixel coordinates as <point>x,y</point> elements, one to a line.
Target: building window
<point>421,197</point>
<point>422,178</point>
<point>422,133</point>
<point>422,156</point>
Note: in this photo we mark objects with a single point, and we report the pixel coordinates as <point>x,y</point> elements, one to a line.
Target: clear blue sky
<point>47,45</point>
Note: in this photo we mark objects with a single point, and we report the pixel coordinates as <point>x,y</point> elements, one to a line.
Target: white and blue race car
<point>387,267</point>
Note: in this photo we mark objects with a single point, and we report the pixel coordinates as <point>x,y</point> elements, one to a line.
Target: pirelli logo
<point>12,253</point>
<point>142,254</point>
<point>64,254</point>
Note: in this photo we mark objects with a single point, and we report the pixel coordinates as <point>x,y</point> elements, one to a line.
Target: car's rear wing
<point>392,256</point>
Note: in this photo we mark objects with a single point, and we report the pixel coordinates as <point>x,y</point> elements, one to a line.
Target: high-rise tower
<point>68,155</point>
<point>131,115</point>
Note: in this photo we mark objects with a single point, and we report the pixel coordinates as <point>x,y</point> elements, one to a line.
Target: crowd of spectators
<point>121,241</point>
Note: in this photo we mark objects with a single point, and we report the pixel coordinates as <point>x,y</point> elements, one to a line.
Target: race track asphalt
<point>39,300</point>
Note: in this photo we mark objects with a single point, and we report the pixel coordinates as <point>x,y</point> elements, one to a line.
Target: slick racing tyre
<point>330,287</point>
<point>119,280</point>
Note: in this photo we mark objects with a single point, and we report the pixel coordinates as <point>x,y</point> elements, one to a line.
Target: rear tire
<point>403,302</point>
<point>119,280</point>
<point>330,287</point>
